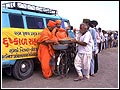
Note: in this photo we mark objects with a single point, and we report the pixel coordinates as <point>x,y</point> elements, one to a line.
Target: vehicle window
<point>16,21</point>
<point>49,19</point>
<point>34,23</point>
<point>65,24</point>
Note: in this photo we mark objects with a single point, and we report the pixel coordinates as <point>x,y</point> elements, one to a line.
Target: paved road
<point>107,76</point>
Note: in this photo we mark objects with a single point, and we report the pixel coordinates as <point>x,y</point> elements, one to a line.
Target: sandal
<point>78,78</point>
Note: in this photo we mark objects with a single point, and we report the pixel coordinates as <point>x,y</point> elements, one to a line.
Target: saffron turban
<point>51,23</point>
<point>58,21</point>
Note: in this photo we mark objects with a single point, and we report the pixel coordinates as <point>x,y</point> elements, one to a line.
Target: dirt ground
<point>107,76</point>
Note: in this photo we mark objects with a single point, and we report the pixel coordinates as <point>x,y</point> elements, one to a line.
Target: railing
<point>29,7</point>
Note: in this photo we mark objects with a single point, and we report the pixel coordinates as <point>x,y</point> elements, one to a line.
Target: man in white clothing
<point>84,54</point>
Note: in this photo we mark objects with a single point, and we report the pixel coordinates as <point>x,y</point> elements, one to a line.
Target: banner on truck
<point>19,43</point>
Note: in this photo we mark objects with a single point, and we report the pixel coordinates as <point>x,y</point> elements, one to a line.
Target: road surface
<point>107,76</point>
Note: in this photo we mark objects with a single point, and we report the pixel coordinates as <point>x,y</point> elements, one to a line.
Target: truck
<point>22,25</point>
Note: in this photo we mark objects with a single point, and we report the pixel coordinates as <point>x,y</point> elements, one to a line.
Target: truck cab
<point>22,25</point>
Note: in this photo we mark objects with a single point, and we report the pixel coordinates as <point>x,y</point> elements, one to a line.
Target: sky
<point>105,12</point>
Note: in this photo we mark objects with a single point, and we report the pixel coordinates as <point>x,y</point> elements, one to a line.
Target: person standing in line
<point>101,39</point>
<point>106,39</point>
<point>115,35</point>
<point>109,40</point>
<point>98,35</point>
<point>95,23</point>
<point>84,54</point>
<point>94,49</point>
<point>45,50</point>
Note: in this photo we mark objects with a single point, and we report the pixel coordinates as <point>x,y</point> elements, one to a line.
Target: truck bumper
<point>7,63</point>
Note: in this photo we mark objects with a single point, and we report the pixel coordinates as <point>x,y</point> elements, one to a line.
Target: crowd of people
<point>89,42</point>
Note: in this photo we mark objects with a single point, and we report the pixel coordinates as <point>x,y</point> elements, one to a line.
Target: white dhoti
<point>82,63</point>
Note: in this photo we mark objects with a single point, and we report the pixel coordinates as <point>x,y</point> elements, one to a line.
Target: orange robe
<point>61,33</point>
<point>45,52</point>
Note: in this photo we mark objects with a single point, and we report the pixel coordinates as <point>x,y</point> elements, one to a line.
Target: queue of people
<point>89,42</point>
<point>111,39</point>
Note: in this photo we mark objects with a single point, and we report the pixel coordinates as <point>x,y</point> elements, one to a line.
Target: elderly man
<point>84,54</point>
<point>45,51</point>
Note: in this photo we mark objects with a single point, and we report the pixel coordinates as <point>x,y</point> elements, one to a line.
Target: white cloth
<point>102,37</point>
<point>106,36</point>
<point>82,61</point>
<point>84,54</point>
<point>98,37</point>
<point>78,35</point>
<point>87,38</point>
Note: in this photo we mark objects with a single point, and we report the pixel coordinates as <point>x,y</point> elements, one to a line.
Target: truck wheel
<point>23,69</point>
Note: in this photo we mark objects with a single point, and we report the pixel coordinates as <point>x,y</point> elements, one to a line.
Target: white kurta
<point>84,55</point>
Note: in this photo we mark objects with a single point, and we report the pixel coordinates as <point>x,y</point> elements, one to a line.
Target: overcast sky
<point>105,12</point>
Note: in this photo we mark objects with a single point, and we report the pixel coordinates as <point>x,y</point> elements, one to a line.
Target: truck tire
<point>23,69</point>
